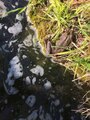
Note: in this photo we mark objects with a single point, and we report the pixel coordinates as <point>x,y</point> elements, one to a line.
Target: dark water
<point>32,87</point>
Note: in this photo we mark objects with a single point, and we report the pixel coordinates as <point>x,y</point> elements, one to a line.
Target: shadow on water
<point>44,91</point>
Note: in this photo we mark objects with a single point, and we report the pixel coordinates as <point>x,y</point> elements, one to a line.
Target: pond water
<point>32,87</point>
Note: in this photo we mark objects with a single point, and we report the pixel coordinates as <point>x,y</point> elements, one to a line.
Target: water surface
<point>32,86</point>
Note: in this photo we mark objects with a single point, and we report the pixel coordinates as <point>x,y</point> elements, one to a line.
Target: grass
<point>52,19</point>
<point>59,14</point>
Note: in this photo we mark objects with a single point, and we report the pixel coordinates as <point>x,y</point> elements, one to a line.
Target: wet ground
<point>32,87</point>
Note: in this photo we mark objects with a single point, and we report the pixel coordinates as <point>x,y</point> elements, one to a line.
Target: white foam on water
<point>57,102</point>
<point>36,52</point>
<point>11,42</point>
<point>37,58</point>
<point>20,46</point>
<point>1,25</point>
<point>48,116</point>
<point>28,80</point>
<point>50,68</point>
<point>38,70</point>
<point>16,3</point>
<point>19,17</point>
<point>14,72</point>
<point>33,115</point>
<point>28,41</point>
<point>17,70</point>
<point>34,80</point>
<point>15,29</point>
<point>24,56</point>
<point>13,6</point>
<point>30,101</point>
<point>41,113</point>
<point>4,47</point>
<point>5,27</point>
<point>47,85</point>
<point>2,9</point>
<point>14,61</point>
<point>12,90</point>
<point>16,67</point>
<point>10,82</point>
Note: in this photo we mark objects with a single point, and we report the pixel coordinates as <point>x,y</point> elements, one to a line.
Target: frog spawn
<point>14,72</point>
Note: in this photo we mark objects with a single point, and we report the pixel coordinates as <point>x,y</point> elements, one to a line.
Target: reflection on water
<point>32,87</point>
